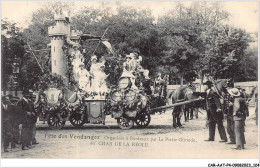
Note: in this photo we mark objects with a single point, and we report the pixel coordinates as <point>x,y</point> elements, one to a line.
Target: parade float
<point>77,88</point>
<point>78,95</point>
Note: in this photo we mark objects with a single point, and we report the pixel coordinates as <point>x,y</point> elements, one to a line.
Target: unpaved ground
<point>158,140</point>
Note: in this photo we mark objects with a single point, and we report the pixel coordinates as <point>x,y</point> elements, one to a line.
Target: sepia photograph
<point>130,80</point>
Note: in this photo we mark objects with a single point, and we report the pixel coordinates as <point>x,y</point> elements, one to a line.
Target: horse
<point>158,96</point>
<point>191,107</point>
<point>186,92</point>
<point>221,85</point>
<point>183,93</point>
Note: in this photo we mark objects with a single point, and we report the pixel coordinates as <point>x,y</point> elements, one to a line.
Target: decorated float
<point>77,89</point>
<point>80,95</point>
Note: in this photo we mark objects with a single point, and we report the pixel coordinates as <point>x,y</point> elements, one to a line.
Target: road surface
<point>158,140</point>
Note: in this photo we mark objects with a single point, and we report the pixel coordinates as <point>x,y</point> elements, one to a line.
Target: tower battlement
<point>61,17</point>
<point>59,29</point>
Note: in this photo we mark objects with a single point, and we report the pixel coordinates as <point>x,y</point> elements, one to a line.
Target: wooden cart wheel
<point>54,122</point>
<point>143,119</point>
<point>125,123</point>
<point>76,120</point>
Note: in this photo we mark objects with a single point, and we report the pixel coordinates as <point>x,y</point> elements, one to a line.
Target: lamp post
<point>16,71</point>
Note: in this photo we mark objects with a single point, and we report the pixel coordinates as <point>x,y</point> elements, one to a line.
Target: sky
<point>243,14</point>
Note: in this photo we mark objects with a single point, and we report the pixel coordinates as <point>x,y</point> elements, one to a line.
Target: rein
<point>214,85</point>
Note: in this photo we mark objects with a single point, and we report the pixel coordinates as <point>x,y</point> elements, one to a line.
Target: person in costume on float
<point>140,68</point>
<point>157,84</point>
<point>84,75</point>
<point>101,77</point>
<point>102,81</point>
<point>128,69</point>
<point>94,69</point>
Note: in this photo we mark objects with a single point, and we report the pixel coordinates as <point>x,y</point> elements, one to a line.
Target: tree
<point>225,52</point>
<point>249,64</point>
<point>36,35</point>
<point>12,45</point>
<point>181,41</point>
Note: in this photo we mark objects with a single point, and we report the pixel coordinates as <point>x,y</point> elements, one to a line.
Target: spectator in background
<point>6,126</point>
<point>247,99</point>
<point>34,119</point>
<point>239,116</point>
<point>244,95</point>
<point>256,106</point>
<point>16,122</point>
<point>26,110</point>
<point>230,121</point>
<point>214,114</point>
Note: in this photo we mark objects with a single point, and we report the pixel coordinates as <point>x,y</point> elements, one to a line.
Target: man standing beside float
<point>239,117</point>
<point>214,114</point>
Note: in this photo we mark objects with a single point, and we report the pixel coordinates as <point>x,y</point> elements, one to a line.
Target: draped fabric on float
<point>109,47</point>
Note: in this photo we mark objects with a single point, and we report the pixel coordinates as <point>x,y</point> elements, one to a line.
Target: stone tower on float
<point>58,33</point>
<point>61,34</point>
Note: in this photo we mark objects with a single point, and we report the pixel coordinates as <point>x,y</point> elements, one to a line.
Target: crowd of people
<point>236,114</point>
<point>15,113</point>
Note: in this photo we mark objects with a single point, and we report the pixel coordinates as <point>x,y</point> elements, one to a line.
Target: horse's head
<point>192,86</point>
<point>223,84</point>
<point>205,86</point>
<point>230,83</point>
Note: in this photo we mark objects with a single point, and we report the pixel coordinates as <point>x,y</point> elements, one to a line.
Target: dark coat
<point>239,111</point>
<point>18,116</point>
<point>7,114</point>
<point>26,110</point>
<point>7,120</point>
<point>212,104</point>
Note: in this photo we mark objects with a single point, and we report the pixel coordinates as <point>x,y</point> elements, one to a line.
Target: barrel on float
<point>124,82</point>
<point>116,95</point>
<point>130,95</point>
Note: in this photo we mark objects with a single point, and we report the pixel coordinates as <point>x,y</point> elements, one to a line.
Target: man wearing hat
<point>230,122</point>
<point>244,95</point>
<point>247,99</point>
<point>26,109</point>
<point>214,114</point>
<point>33,119</point>
<point>6,127</point>
<point>239,116</point>
<point>16,121</point>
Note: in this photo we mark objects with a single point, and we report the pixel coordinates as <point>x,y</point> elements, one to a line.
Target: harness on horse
<point>215,87</point>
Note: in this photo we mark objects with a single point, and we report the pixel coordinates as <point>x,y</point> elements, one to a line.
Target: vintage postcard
<point>129,80</point>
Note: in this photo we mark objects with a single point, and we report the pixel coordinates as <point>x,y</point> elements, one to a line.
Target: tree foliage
<point>180,43</point>
<point>12,45</point>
